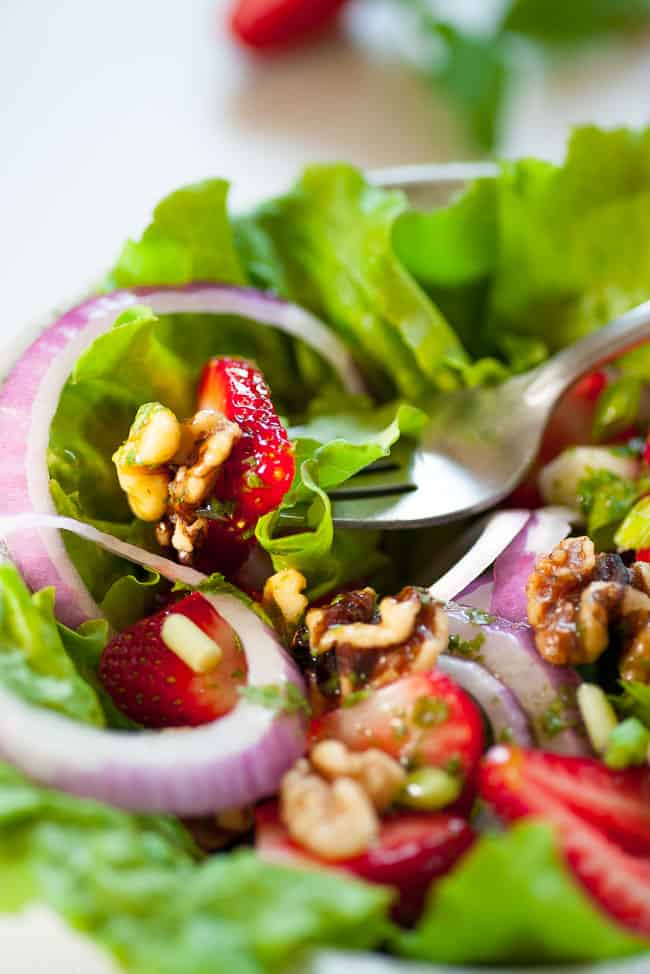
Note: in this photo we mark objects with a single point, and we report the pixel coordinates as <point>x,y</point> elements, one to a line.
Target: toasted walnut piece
<point>635,660</point>
<point>397,620</point>
<point>334,820</point>
<point>146,491</point>
<point>435,637</point>
<point>372,660</point>
<point>152,441</point>
<point>553,591</point>
<point>284,600</point>
<point>599,603</point>
<point>186,534</point>
<point>213,436</point>
<point>380,776</point>
<point>575,596</point>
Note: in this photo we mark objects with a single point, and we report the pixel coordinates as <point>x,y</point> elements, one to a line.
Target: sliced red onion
<point>546,693</point>
<point>236,760</point>
<point>30,395</point>
<point>497,535</point>
<point>507,719</point>
<point>478,594</point>
<point>544,529</point>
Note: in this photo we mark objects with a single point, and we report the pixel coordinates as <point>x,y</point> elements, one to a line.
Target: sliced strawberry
<point>413,849</point>
<point>616,802</point>
<point>154,687</point>
<point>422,719</point>
<point>580,800</point>
<point>260,468</point>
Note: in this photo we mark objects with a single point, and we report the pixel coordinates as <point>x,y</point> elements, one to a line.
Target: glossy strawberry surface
<point>154,687</point>
<point>260,469</point>
<point>600,817</point>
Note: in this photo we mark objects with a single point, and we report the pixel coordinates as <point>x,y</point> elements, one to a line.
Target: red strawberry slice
<point>413,849</point>
<point>581,799</point>
<point>422,719</point>
<point>616,802</point>
<point>261,467</point>
<point>154,687</point>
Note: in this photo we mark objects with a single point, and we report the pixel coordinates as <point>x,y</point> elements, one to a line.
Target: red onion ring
<point>499,704</point>
<point>495,537</point>
<point>236,760</point>
<point>30,394</point>
<point>545,693</point>
<point>543,531</point>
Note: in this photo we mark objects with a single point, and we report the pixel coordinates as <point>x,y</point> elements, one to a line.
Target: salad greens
<point>34,663</point>
<point>478,70</point>
<point>189,239</point>
<point>533,914</point>
<point>327,245</point>
<point>134,884</point>
<point>605,499</point>
<point>514,268</point>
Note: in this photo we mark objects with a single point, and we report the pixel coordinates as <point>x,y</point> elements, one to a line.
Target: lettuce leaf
<point>330,449</point>
<point>189,239</point>
<point>327,245</point>
<point>132,883</point>
<point>543,252</point>
<point>157,359</point>
<point>556,22</point>
<point>34,663</point>
<point>512,900</point>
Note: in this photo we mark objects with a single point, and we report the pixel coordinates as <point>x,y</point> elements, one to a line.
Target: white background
<point>105,105</point>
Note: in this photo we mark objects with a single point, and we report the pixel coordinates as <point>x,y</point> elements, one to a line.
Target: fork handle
<point>553,378</point>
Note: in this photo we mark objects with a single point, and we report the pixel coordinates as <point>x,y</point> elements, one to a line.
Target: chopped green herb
<point>454,765</point>
<point>430,711</point>
<point>466,647</point>
<point>479,616</point>
<point>556,717</point>
<point>358,696</point>
<point>332,684</point>
<point>253,479</point>
<point>282,698</point>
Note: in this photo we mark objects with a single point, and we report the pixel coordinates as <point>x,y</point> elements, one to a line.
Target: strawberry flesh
<point>600,817</point>
<point>261,467</point>
<point>424,719</point>
<point>149,683</point>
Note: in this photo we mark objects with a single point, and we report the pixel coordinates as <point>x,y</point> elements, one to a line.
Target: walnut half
<point>330,803</point>
<point>375,644</point>
<point>575,596</point>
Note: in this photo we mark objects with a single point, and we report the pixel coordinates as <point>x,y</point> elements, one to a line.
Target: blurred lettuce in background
<point>478,70</point>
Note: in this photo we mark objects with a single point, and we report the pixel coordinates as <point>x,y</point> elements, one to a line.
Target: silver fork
<point>480,442</point>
